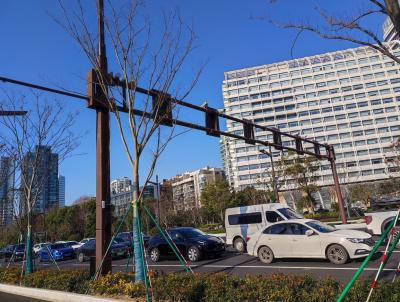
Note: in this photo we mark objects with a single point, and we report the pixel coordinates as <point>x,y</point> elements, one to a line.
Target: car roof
<point>180,228</point>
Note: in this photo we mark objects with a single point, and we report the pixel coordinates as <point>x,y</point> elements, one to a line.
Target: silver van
<point>241,222</point>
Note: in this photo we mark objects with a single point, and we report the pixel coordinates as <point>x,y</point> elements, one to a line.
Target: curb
<point>51,295</point>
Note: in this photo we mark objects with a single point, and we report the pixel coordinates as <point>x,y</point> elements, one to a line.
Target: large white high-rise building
<point>348,98</point>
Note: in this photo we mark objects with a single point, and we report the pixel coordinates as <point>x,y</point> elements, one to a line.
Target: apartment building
<point>187,187</point>
<point>348,98</point>
<point>122,194</point>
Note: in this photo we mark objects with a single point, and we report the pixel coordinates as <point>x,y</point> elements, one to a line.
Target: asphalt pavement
<point>14,298</point>
<point>232,262</point>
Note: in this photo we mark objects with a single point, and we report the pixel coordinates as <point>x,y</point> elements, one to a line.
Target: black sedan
<point>89,250</point>
<point>13,252</point>
<point>192,243</point>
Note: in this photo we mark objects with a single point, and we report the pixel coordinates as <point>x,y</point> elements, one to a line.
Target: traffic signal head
<point>299,146</point>
<point>212,122</point>
<point>277,139</point>
<point>317,151</point>
<point>248,132</point>
<point>95,93</point>
<point>162,108</point>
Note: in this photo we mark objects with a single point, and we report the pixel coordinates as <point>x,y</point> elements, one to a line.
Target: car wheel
<point>265,254</point>
<point>81,257</point>
<point>193,254</point>
<point>155,254</point>
<point>239,245</point>
<point>337,254</point>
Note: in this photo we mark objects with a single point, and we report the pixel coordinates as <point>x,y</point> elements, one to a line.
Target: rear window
<point>246,218</point>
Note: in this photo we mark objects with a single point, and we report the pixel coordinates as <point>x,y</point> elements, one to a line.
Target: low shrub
<point>11,275</point>
<point>76,281</point>
<point>201,287</point>
<point>117,284</point>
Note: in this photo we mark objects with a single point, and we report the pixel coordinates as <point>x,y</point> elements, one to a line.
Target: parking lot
<point>232,262</point>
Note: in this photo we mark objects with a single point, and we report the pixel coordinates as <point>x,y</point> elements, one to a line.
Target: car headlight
<point>355,240</point>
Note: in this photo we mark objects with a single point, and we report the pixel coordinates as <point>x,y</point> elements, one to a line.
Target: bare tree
<point>145,58</point>
<point>351,26</point>
<point>47,126</point>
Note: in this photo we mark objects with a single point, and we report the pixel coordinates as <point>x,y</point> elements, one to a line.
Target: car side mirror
<point>309,233</point>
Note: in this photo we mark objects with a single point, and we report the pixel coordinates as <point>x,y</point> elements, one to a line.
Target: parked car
<point>14,252</point>
<point>89,249</point>
<point>306,238</point>
<point>241,222</point>
<point>37,247</point>
<point>128,237</point>
<point>59,251</point>
<point>6,251</point>
<point>378,222</point>
<point>80,243</point>
<point>71,243</point>
<point>192,243</point>
<point>127,244</point>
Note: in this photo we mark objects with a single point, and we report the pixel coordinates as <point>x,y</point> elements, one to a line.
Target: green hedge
<point>218,287</point>
<point>76,281</point>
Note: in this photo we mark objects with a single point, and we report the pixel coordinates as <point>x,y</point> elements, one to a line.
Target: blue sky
<point>34,48</point>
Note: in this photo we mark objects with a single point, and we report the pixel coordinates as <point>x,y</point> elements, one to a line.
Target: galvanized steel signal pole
<point>103,200</point>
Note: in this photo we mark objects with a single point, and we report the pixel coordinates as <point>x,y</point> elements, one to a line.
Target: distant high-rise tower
<point>7,178</point>
<point>61,191</point>
<point>42,166</point>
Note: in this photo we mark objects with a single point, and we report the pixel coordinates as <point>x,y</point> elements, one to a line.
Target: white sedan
<point>306,238</point>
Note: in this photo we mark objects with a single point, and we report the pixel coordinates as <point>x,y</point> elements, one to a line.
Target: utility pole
<point>103,200</point>
<point>275,186</point>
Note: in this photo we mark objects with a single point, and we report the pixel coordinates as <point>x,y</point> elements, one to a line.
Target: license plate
<point>120,253</point>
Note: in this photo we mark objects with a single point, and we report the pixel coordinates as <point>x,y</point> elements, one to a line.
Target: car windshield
<point>320,226</point>
<point>289,213</point>
<point>191,233</point>
<point>58,246</point>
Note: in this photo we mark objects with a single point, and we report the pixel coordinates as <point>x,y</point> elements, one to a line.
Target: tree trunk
<point>138,249</point>
<point>28,249</point>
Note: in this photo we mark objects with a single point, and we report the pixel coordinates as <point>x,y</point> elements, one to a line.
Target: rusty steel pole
<point>103,200</point>
<point>339,195</point>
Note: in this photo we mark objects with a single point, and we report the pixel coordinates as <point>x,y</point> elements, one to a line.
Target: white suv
<point>306,238</point>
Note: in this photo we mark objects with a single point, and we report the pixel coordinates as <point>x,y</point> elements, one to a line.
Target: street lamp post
<point>269,153</point>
